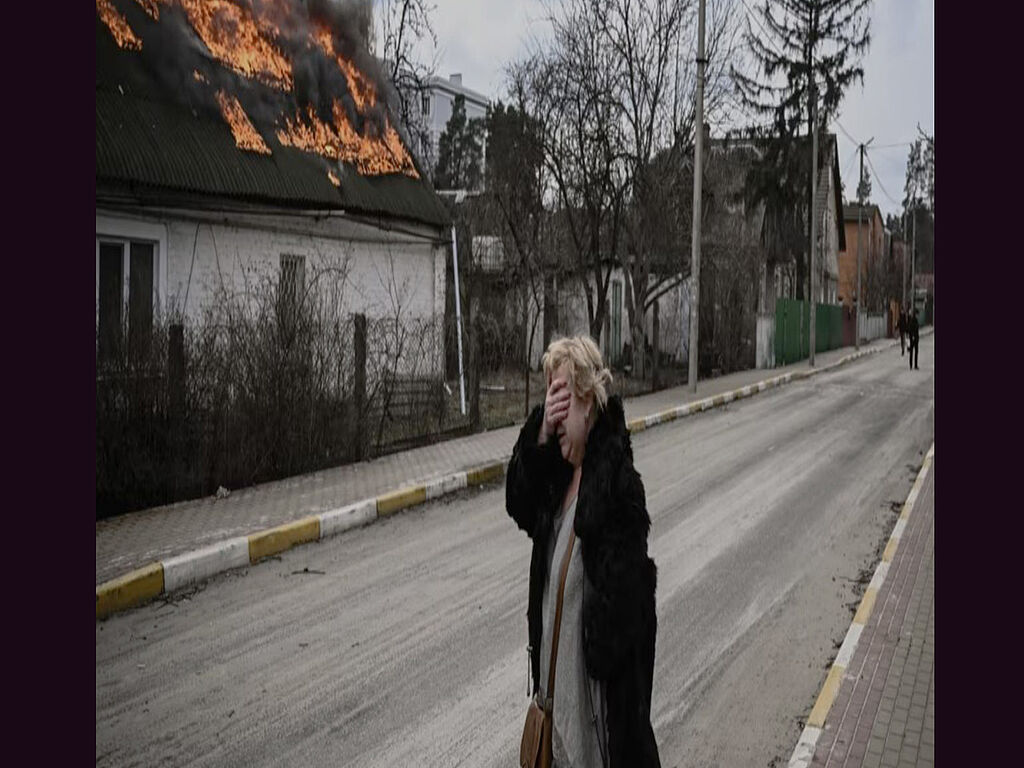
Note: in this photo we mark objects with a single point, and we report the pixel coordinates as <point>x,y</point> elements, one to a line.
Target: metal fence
<point>872,325</point>
<point>258,398</point>
<point>792,333</point>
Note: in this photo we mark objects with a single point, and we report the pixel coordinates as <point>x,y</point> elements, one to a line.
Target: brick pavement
<point>884,713</point>
<point>138,538</point>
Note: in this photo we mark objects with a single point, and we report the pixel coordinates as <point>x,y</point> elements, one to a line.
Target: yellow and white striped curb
<point>803,753</point>
<point>715,401</point>
<point>144,584</point>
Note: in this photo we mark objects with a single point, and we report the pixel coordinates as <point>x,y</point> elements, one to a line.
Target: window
<point>291,286</point>
<point>426,103</point>
<point>125,294</point>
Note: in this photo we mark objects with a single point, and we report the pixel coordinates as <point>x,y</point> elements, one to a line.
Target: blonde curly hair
<point>587,373</point>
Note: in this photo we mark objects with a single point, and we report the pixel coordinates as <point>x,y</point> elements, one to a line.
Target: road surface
<point>404,643</point>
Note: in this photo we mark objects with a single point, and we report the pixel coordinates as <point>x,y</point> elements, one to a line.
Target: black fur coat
<point>619,620</point>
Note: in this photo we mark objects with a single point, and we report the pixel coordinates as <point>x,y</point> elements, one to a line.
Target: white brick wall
<point>572,318</point>
<point>385,270</point>
<point>388,272</point>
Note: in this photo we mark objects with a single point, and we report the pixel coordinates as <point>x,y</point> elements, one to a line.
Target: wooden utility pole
<point>903,262</point>
<point>697,178</point>
<point>860,215</point>
<point>698,168</point>
<point>814,219</point>
<point>913,260</point>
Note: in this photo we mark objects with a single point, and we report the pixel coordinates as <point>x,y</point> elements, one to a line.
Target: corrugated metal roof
<point>152,143</point>
<point>851,211</point>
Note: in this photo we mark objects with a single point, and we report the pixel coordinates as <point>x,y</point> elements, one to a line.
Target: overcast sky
<point>477,38</point>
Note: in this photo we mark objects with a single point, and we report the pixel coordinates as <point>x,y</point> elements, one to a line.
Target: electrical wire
<point>845,132</point>
<point>849,165</point>
<point>874,173</point>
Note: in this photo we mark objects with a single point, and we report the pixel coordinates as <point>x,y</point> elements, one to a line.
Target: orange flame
<point>371,155</point>
<point>235,38</point>
<point>246,36</point>
<point>363,91</point>
<point>246,137</point>
<point>394,144</point>
<point>118,26</point>
<point>150,7</point>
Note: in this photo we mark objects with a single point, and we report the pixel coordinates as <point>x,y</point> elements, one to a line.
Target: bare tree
<point>570,89</point>
<point>656,42</point>
<point>643,37</point>
<point>612,93</point>
<point>405,27</point>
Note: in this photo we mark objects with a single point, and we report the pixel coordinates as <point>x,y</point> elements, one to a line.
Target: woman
<point>572,467</point>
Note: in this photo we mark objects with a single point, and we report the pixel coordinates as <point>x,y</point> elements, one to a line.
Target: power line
<point>849,164</point>
<point>875,174</point>
<point>874,147</point>
<point>845,132</point>
<point>890,146</point>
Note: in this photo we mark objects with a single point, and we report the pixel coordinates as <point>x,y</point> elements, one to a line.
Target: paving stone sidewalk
<point>884,712</point>
<point>132,540</point>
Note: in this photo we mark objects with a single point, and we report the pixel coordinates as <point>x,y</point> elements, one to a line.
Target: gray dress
<point>579,735</point>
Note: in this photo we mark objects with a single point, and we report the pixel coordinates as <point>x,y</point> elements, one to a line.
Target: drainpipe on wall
<point>458,321</point>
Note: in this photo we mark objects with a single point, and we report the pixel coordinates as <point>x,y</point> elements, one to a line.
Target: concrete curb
<point>803,753</point>
<point>144,584</point>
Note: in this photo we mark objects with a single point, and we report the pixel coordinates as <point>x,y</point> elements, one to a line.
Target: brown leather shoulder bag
<point>535,747</point>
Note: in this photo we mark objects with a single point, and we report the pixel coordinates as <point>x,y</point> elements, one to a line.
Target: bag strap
<point>558,614</point>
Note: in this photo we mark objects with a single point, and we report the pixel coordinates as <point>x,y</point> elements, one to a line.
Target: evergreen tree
<point>794,45</point>
<point>460,150</point>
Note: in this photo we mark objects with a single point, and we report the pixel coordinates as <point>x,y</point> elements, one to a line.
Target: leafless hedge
<point>261,386</point>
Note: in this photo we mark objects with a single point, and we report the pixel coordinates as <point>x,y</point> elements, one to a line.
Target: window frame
<point>123,232</point>
<point>290,303</point>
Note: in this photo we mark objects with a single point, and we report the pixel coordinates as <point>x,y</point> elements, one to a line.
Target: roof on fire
<point>152,147</point>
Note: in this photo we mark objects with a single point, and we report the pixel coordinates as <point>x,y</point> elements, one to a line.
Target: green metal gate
<point>793,330</point>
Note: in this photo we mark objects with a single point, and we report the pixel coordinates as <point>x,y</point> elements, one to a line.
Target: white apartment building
<point>435,109</point>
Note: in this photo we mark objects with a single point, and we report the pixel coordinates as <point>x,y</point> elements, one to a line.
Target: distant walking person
<point>901,326</point>
<point>912,331</point>
<point>591,611</point>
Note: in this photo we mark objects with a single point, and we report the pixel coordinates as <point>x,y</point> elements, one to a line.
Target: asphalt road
<point>404,643</point>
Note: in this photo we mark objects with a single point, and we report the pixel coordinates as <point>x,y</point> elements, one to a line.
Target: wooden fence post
<point>656,333</point>
<point>359,386</point>
<point>176,403</point>
<point>475,365</point>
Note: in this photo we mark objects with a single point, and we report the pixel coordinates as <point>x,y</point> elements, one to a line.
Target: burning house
<point>242,137</point>
<point>245,149</point>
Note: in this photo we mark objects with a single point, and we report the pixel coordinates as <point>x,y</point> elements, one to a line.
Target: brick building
<point>870,237</point>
